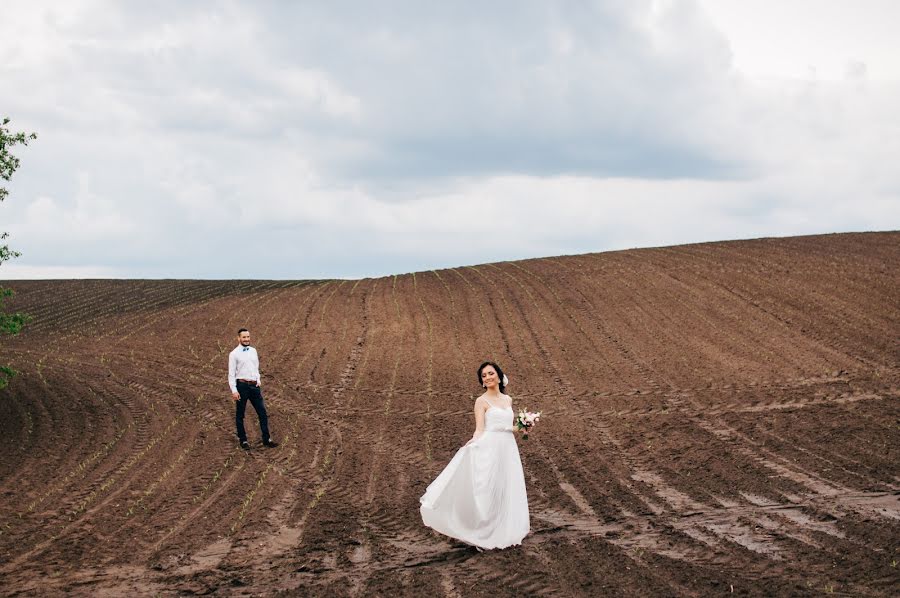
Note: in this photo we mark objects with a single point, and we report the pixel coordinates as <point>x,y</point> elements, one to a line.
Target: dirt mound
<point>718,418</point>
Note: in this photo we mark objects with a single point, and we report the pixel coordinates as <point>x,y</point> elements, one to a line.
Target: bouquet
<point>525,420</point>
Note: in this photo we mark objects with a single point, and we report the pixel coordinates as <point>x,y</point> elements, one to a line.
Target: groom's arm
<point>232,380</point>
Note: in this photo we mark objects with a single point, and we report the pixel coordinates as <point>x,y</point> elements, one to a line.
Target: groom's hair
<point>242,330</point>
<point>498,370</point>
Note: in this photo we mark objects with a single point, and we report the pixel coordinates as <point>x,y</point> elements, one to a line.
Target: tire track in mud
<point>615,340</point>
<point>322,329</point>
<point>490,321</point>
<point>291,466</point>
<point>729,329</point>
<point>82,467</point>
<point>293,376</point>
<point>143,432</point>
<point>837,459</point>
<point>288,341</point>
<point>721,526</point>
<point>700,408</point>
<point>744,297</point>
<point>148,304</point>
<point>89,501</point>
<point>509,321</point>
<point>846,306</point>
<point>587,518</point>
<point>332,510</point>
<point>40,419</point>
<point>353,355</point>
<point>339,388</point>
<point>283,534</point>
<point>28,500</point>
<point>454,321</point>
<point>819,489</point>
<point>378,450</point>
<point>604,429</point>
<point>287,536</point>
<point>287,429</point>
<point>836,345</point>
<point>562,377</point>
<point>364,341</point>
<point>530,581</point>
<point>429,375</point>
<point>596,345</point>
<point>657,326</point>
<point>569,489</point>
<point>379,526</point>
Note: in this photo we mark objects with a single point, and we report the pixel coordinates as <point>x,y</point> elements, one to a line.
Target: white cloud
<point>90,219</point>
<point>809,39</point>
<point>336,142</point>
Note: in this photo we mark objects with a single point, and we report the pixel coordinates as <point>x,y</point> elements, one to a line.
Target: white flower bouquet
<point>525,421</point>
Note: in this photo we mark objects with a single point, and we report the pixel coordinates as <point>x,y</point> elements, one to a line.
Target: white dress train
<point>479,498</point>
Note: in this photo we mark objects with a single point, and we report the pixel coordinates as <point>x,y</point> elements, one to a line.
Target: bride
<point>480,497</point>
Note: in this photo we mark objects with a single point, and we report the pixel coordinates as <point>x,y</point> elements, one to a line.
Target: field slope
<point>719,418</point>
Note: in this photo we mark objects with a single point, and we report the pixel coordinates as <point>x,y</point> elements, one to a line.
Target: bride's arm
<point>479,420</point>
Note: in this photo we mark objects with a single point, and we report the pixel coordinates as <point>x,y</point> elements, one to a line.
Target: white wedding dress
<point>480,497</point>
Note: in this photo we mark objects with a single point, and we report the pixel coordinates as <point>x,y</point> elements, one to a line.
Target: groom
<point>243,378</point>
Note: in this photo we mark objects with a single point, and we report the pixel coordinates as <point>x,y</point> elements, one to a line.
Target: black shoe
<point>270,443</point>
<point>245,445</point>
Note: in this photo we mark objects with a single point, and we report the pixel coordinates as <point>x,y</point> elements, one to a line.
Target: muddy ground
<point>718,419</point>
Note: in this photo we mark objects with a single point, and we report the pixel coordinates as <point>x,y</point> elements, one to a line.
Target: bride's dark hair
<point>497,369</point>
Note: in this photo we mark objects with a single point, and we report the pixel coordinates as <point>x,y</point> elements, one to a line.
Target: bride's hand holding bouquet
<point>525,422</point>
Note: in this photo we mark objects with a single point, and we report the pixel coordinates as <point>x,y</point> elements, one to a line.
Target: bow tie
<point>246,348</point>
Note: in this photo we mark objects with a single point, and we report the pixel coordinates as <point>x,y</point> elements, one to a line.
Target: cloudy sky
<point>346,139</point>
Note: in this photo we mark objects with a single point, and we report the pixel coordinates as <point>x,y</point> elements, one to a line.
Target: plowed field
<point>718,418</point>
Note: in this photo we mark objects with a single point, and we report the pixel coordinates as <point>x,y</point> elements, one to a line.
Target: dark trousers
<point>254,395</point>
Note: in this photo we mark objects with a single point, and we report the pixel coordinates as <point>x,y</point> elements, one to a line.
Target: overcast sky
<point>350,139</point>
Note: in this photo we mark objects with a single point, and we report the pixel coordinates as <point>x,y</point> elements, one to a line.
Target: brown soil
<point>718,418</point>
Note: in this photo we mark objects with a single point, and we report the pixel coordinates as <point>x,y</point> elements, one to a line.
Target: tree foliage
<point>10,323</point>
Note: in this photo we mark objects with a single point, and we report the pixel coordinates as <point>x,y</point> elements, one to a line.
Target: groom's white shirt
<point>243,364</point>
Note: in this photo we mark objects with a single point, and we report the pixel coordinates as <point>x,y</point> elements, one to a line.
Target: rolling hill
<point>718,418</point>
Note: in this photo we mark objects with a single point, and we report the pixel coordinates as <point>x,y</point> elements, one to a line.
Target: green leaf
<point>6,373</point>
